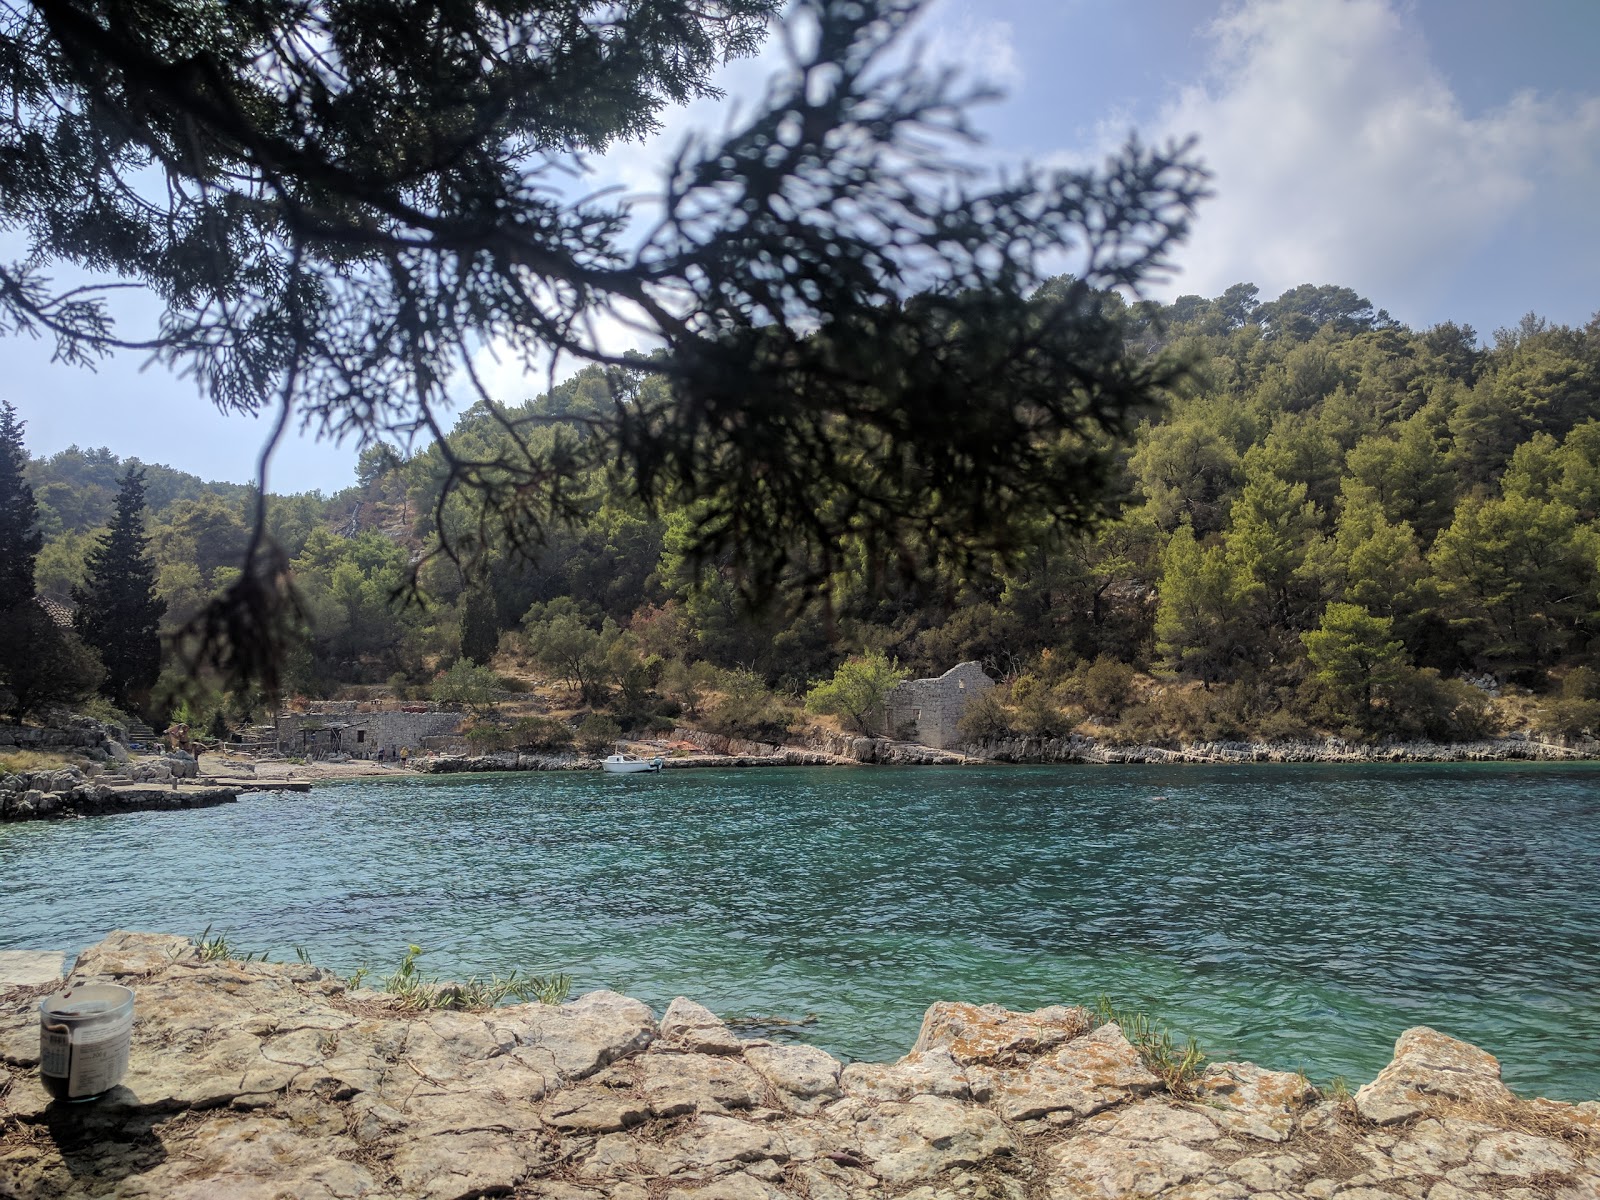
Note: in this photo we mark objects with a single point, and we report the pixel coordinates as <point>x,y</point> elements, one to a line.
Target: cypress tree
<point>480,630</point>
<point>118,612</point>
<point>20,538</point>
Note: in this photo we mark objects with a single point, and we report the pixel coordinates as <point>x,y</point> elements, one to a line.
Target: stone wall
<point>366,732</point>
<point>928,710</point>
<point>81,734</point>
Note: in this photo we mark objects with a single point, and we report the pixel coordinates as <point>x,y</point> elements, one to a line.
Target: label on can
<point>55,1052</point>
<point>99,1056</point>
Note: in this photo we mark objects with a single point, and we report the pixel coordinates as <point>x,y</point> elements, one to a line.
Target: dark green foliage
<point>20,538</point>
<point>598,734</point>
<point>118,613</point>
<point>42,664</point>
<point>77,489</point>
<point>480,628</point>
<point>340,204</point>
<point>986,718</point>
<point>1104,687</point>
<point>541,733</point>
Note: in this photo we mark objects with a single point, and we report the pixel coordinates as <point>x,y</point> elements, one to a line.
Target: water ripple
<point>1295,916</point>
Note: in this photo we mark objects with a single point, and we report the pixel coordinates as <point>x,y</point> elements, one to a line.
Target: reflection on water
<point>1295,916</point>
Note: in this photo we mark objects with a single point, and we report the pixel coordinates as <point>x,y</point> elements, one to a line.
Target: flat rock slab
<point>31,968</point>
<point>269,1081</point>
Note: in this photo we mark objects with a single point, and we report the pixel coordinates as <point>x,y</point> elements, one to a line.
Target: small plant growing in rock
<point>220,948</point>
<point>422,992</point>
<point>1176,1066</point>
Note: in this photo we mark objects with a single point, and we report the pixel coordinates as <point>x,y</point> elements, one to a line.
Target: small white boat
<point>629,764</point>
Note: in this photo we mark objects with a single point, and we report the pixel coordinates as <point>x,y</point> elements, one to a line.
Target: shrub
<point>598,733</point>
<point>986,718</point>
<point>1569,716</point>
<point>747,710</point>
<point>1104,687</point>
<point>486,739</point>
<point>542,733</point>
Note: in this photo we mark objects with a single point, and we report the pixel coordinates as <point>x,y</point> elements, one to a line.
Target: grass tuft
<point>218,948</point>
<point>421,992</point>
<point>1176,1066</point>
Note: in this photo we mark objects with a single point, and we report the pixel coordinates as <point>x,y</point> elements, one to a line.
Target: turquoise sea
<point>1295,916</point>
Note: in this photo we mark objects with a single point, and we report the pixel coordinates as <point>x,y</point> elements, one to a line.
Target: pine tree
<point>118,612</point>
<point>20,539</point>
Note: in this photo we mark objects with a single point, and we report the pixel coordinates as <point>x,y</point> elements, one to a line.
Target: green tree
<point>42,664</point>
<point>561,639</point>
<point>1355,655</point>
<point>20,538</point>
<point>1203,625</point>
<point>1271,528</point>
<point>339,204</point>
<point>1518,578</point>
<point>480,627</point>
<point>118,613</point>
<point>858,690</point>
<point>466,685</point>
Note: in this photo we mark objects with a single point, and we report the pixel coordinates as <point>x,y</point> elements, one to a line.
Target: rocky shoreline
<point>67,792</point>
<point>256,1081</point>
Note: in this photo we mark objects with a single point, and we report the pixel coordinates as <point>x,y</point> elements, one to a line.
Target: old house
<point>927,710</point>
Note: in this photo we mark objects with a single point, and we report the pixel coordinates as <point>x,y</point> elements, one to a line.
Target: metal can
<point>84,1036</point>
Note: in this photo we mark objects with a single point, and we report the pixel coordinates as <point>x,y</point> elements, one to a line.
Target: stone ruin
<point>929,710</point>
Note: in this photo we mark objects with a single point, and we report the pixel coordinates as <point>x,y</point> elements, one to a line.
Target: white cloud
<point>984,50</point>
<point>1342,156</point>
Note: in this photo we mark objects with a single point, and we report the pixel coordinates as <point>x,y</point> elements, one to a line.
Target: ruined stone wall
<point>381,730</point>
<point>932,708</point>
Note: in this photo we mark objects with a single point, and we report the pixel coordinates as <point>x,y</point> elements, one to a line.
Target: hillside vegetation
<point>1334,522</point>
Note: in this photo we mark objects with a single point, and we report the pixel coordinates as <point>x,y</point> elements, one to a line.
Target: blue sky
<point>1439,156</point>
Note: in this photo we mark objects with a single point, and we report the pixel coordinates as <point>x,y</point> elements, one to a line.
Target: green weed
<point>421,992</point>
<point>1176,1066</point>
<point>1339,1090</point>
<point>220,949</point>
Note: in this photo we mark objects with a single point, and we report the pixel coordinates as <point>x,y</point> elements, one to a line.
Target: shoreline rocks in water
<point>67,792</point>
<point>256,1081</point>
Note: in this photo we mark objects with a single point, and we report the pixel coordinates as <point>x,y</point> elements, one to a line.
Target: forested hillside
<point>1334,520</point>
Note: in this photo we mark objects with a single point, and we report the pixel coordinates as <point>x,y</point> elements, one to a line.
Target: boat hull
<point>629,768</point>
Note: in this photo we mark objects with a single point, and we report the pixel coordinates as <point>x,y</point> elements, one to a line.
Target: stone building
<point>928,710</point>
<point>347,729</point>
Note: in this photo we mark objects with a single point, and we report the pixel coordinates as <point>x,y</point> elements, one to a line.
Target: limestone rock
<point>1084,1076</point>
<point>30,968</point>
<point>1427,1063</point>
<point>594,1110</point>
<point>695,1028</point>
<point>987,1033</point>
<point>1257,1103</point>
<point>260,1080</point>
<point>676,1084</point>
<point>580,1038</point>
<point>804,1076</point>
<point>917,1140</point>
<point>1112,1165</point>
<point>713,1142</point>
<point>122,954</point>
<point>920,1073</point>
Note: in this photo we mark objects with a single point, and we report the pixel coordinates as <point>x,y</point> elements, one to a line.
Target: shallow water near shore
<point>1294,916</point>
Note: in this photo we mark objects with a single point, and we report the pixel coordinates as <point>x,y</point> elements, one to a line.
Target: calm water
<point>1298,917</point>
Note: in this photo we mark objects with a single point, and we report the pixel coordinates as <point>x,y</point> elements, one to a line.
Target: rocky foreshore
<point>1513,747</point>
<point>255,1081</point>
<point>826,748</point>
<point>69,792</point>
